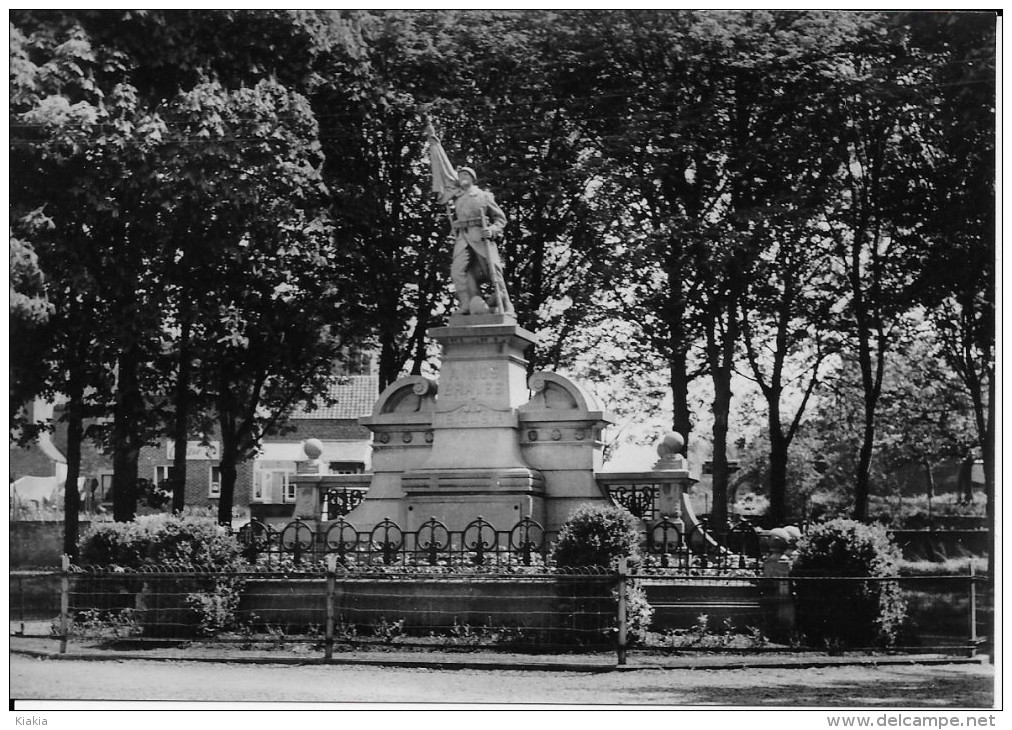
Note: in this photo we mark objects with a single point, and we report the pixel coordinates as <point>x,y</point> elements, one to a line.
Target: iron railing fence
<point>542,610</point>
<point>667,546</point>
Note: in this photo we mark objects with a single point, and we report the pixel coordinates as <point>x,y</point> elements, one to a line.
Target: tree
<point>631,80</point>
<point>473,73</point>
<point>30,311</point>
<point>74,141</point>
<point>875,241</point>
<point>788,332</point>
<point>375,172</point>
<point>86,92</point>
<point>278,312</point>
<point>926,418</point>
<point>957,189</point>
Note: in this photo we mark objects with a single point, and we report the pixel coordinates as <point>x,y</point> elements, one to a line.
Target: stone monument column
<point>475,466</point>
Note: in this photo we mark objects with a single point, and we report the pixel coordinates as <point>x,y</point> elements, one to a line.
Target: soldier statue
<point>475,222</point>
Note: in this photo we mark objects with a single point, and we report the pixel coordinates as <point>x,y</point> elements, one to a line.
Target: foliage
<point>150,186</point>
<point>216,608</point>
<point>949,566</point>
<point>702,636</point>
<point>216,199</point>
<point>596,535</point>
<point>174,543</point>
<point>169,541</point>
<point>849,612</point>
<point>93,623</point>
<point>803,476</point>
<point>927,418</point>
<point>29,311</point>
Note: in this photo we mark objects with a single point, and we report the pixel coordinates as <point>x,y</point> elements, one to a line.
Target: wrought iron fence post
<point>328,644</point>
<point>64,602</point>
<point>973,611</point>
<point>623,567</point>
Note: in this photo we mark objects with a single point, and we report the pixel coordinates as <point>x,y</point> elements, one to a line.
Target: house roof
<point>353,396</point>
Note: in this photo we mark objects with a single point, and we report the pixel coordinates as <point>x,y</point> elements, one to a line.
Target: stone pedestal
<point>485,441</point>
<point>475,466</point>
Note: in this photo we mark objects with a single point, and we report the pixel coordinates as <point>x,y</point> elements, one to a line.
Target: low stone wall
<point>679,604</point>
<point>36,544</point>
<point>424,605</point>
<point>939,545</point>
<point>34,597</point>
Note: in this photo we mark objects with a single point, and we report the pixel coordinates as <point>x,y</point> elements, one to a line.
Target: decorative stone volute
<point>413,394</point>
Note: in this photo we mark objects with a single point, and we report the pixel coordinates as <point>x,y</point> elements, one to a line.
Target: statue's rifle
<point>495,266</point>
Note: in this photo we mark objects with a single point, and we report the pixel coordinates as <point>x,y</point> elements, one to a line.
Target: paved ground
<point>933,686</point>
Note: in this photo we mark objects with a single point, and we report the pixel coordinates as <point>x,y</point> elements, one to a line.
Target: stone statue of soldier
<point>475,221</point>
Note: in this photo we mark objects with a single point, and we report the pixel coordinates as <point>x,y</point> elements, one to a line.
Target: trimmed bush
<point>178,543</point>
<point>848,613</point>
<point>166,606</point>
<point>596,537</point>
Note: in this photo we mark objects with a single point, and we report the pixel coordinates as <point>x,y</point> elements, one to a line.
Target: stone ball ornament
<point>313,448</point>
<point>793,534</point>
<point>779,539</point>
<point>670,445</point>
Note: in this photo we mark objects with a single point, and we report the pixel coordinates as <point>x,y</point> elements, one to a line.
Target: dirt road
<point>893,686</point>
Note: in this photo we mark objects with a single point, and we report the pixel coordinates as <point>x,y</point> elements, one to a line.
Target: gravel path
<point>938,686</point>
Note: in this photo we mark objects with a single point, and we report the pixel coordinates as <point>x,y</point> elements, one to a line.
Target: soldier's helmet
<point>470,171</point>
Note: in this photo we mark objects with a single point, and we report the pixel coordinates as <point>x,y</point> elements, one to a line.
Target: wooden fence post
<point>623,568</point>
<point>328,644</point>
<point>21,602</point>
<point>973,611</point>
<point>64,602</point>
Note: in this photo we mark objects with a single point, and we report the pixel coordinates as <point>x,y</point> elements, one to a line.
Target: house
<point>262,487</point>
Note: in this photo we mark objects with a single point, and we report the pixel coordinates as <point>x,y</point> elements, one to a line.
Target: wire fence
<point>337,608</point>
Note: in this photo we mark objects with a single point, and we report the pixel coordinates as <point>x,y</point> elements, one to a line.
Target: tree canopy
<point>208,207</point>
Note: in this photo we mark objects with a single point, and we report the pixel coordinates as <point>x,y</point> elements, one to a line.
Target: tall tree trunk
<point>861,486</point>
<point>126,440</point>
<point>229,471</point>
<point>678,345</point>
<point>681,421</point>
<point>181,432</point>
<point>390,362</point>
<point>721,473</point>
<point>778,469</point>
<point>228,467</point>
<point>71,497</point>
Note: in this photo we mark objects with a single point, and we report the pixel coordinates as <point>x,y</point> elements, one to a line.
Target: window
<point>346,467</point>
<point>163,474</point>
<point>272,486</point>
<point>214,483</point>
<point>258,486</point>
<point>105,487</point>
